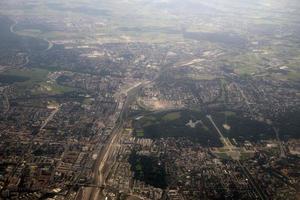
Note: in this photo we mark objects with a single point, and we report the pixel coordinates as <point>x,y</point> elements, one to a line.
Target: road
<point>49,118</point>
<point>50,44</point>
<point>99,172</point>
<point>245,98</point>
<point>13,26</point>
<point>256,186</point>
<point>282,152</point>
<point>246,172</point>
<point>228,145</point>
<point>7,103</point>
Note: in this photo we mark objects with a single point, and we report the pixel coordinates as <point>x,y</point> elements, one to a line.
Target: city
<point>160,100</point>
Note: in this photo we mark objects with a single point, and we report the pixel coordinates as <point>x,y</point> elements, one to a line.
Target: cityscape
<point>150,100</point>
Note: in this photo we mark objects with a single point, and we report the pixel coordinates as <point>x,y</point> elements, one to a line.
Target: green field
<point>10,79</point>
<point>32,75</point>
<point>30,32</point>
<point>33,79</point>
<point>171,116</point>
<point>140,133</point>
<point>173,124</point>
<point>293,75</point>
<point>54,88</point>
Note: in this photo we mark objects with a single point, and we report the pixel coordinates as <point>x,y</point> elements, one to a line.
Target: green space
<point>195,77</point>
<point>232,40</point>
<point>173,124</point>
<point>242,128</point>
<point>244,63</point>
<point>171,116</point>
<point>223,90</point>
<point>88,101</point>
<point>293,75</point>
<point>289,125</point>
<point>54,88</point>
<point>148,169</point>
<point>229,113</point>
<point>10,79</point>
<point>243,69</point>
<point>246,155</point>
<point>11,43</point>
<point>140,133</point>
<point>32,75</point>
<point>33,79</point>
<point>30,32</point>
<point>223,155</point>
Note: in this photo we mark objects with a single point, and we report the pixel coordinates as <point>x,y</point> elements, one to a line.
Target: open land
<point>142,99</point>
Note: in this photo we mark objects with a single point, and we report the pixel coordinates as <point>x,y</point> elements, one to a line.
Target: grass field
<point>293,75</point>
<point>229,113</point>
<point>10,79</point>
<point>32,75</point>
<point>34,79</point>
<point>140,133</point>
<point>54,88</point>
<point>30,32</point>
<point>171,116</point>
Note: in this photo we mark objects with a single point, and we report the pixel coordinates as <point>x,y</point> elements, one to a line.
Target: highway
<point>261,194</point>
<point>99,171</point>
